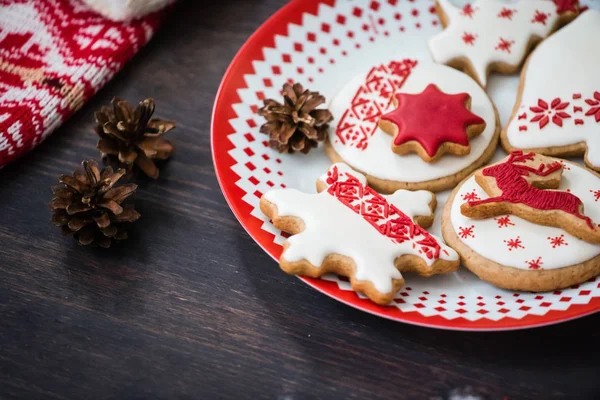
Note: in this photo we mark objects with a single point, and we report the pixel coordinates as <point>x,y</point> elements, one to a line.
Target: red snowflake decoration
<point>514,244</point>
<point>466,231</point>
<point>504,222</point>
<point>469,38</point>
<point>535,264</point>
<point>595,106</point>
<point>506,13</point>
<point>555,110</point>
<point>505,45</point>
<point>596,194</point>
<point>471,196</point>
<point>558,241</point>
<point>468,11</point>
<point>540,18</point>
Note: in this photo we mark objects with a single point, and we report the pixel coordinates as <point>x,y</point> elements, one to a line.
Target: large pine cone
<point>90,205</point>
<point>129,137</point>
<point>295,125</point>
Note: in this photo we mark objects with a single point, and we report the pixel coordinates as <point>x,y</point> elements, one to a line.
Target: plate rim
<point>232,81</point>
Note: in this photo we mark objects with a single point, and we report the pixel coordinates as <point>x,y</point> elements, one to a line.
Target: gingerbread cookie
<point>495,35</point>
<point>518,185</point>
<point>351,230</point>
<point>355,138</point>
<point>526,248</point>
<point>432,123</point>
<point>558,106</point>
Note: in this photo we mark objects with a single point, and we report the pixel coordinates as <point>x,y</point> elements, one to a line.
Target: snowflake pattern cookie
<point>356,139</point>
<point>350,229</point>
<point>495,35</point>
<point>558,110</point>
<point>518,223</point>
<point>432,123</point>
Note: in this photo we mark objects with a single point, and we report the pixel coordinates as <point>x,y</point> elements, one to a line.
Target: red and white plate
<point>323,44</point>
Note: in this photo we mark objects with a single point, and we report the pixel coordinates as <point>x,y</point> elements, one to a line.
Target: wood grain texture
<point>192,307</point>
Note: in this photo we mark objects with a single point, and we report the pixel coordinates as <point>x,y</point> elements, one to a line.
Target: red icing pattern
<point>516,190</point>
<point>468,11</point>
<point>555,110</point>
<point>469,38</point>
<point>466,231</point>
<point>514,244</point>
<point>504,45</point>
<point>563,6</point>
<point>506,13</point>
<point>540,18</point>
<point>432,118</point>
<point>378,212</point>
<point>595,109</point>
<point>471,196</point>
<point>558,241</point>
<point>504,222</point>
<point>535,264</point>
<point>596,194</point>
<point>373,98</point>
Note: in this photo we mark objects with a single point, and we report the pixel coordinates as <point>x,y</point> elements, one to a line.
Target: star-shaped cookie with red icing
<point>432,123</point>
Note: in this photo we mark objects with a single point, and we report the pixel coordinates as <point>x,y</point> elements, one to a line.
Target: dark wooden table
<point>191,307</point>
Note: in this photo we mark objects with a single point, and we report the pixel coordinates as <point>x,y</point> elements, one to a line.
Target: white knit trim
<point>121,10</point>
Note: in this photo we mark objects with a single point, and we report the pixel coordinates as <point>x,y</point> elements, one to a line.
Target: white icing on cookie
<point>376,157</point>
<point>492,31</point>
<point>515,242</point>
<point>332,227</point>
<point>566,66</point>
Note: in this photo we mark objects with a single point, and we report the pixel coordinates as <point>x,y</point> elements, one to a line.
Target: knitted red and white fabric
<point>54,55</point>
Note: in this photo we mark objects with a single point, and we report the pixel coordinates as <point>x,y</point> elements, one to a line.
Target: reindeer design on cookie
<point>522,185</point>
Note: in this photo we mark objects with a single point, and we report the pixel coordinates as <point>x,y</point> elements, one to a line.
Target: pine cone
<point>89,204</point>
<point>295,125</point>
<point>128,136</point>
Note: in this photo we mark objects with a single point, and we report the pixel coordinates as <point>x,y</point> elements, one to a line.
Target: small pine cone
<point>89,204</point>
<point>295,125</point>
<point>129,137</point>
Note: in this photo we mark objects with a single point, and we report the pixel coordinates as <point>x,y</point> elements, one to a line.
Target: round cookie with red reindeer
<point>414,125</point>
<point>528,222</point>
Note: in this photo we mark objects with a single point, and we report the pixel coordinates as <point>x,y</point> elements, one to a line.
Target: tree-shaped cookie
<point>432,123</point>
<point>523,184</point>
<point>351,230</point>
<point>495,35</point>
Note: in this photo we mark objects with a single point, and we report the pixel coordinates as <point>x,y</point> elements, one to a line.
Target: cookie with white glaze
<point>530,249</point>
<point>356,139</point>
<point>557,111</point>
<point>353,231</point>
<point>495,35</point>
